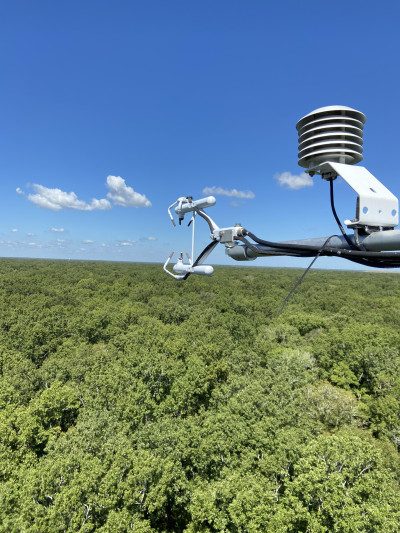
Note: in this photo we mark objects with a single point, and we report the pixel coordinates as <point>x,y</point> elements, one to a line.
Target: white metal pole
<point>193,222</point>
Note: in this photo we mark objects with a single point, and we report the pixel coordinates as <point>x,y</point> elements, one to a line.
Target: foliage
<point>130,402</point>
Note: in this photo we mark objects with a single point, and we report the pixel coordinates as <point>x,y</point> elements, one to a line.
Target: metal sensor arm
<point>376,245</point>
<point>387,240</point>
<point>376,207</point>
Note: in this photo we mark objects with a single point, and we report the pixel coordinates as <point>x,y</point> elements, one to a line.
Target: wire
<point>304,274</point>
<point>208,249</point>
<point>373,259</point>
<point>259,251</point>
<point>347,238</point>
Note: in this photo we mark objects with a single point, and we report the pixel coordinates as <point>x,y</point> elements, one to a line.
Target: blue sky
<point>112,110</point>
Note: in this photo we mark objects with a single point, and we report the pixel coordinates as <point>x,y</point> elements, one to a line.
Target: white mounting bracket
<point>376,205</point>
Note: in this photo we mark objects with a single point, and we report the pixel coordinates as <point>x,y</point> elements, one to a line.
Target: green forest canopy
<point>131,402</point>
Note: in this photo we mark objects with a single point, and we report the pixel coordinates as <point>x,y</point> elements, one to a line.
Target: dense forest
<point>131,402</point>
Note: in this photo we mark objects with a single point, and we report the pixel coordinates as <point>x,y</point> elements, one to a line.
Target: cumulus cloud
<point>292,181</point>
<point>144,239</point>
<point>123,195</point>
<point>60,230</point>
<point>244,195</point>
<point>15,230</point>
<point>55,199</point>
<point>87,241</point>
<point>102,204</point>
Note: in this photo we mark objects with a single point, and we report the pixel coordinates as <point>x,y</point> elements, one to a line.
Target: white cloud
<point>61,230</point>
<point>30,235</point>
<point>244,195</point>
<point>102,204</point>
<point>144,239</point>
<point>123,195</point>
<point>15,230</point>
<point>292,181</point>
<point>56,199</point>
<point>87,241</point>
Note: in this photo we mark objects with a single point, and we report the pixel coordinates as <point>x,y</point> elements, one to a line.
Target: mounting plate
<point>376,205</point>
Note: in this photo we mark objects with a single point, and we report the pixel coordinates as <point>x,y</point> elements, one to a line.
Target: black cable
<point>206,251</point>
<point>266,252</point>
<point>392,259</point>
<point>304,273</point>
<point>337,218</point>
<point>281,245</point>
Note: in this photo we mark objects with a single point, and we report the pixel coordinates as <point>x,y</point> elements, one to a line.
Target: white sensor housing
<point>205,270</point>
<point>332,133</point>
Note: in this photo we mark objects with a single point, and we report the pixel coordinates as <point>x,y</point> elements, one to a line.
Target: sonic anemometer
<point>330,144</point>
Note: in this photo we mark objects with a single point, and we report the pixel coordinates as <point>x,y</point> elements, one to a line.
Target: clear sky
<point>111,110</point>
